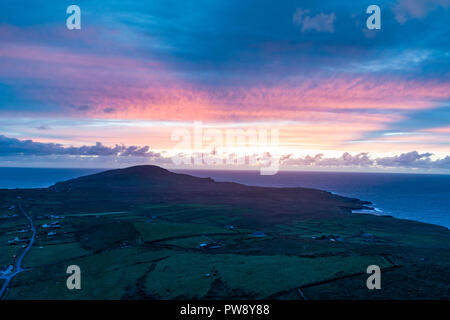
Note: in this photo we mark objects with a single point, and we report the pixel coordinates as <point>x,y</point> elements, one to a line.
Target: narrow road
<point>18,265</point>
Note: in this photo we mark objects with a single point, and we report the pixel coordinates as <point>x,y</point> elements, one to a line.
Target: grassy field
<point>137,246</point>
<point>258,277</point>
<point>129,256</point>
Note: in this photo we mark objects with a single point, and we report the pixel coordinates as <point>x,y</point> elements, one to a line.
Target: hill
<point>154,184</point>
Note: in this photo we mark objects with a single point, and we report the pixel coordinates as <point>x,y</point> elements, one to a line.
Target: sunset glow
<point>132,78</point>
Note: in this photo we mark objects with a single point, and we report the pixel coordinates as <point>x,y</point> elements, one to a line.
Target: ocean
<point>11,178</point>
<point>421,197</point>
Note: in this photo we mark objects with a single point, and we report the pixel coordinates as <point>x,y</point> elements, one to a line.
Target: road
<point>18,265</point>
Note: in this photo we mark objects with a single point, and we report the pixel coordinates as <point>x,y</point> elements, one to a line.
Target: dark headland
<point>147,233</point>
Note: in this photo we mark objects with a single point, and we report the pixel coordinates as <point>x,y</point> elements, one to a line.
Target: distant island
<point>147,233</point>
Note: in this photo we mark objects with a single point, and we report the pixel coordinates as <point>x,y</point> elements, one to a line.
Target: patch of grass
<point>51,254</point>
<point>159,230</point>
<point>13,223</point>
<point>192,242</point>
<point>108,236</point>
<point>199,213</point>
<point>7,253</point>
<point>106,275</point>
<point>184,275</point>
<point>383,230</point>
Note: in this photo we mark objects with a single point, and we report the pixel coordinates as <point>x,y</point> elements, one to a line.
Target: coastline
<point>393,201</point>
<point>146,218</point>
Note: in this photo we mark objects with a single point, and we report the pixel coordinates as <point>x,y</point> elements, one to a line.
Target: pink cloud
<point>101,86</point>
<point>332,109</point>
<point>148,90</point>
<point>441,130</point>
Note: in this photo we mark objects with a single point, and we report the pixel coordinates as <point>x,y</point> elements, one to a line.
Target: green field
<point>217,244</point>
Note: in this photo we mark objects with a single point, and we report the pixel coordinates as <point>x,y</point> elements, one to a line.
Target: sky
<point>115,92</point>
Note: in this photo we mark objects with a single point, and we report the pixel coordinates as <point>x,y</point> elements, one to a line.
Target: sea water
<point>421,197</point>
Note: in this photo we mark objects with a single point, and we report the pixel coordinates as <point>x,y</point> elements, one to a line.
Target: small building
<point>258,234</point>
<point>7,271</point>
<point>15,240</point>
